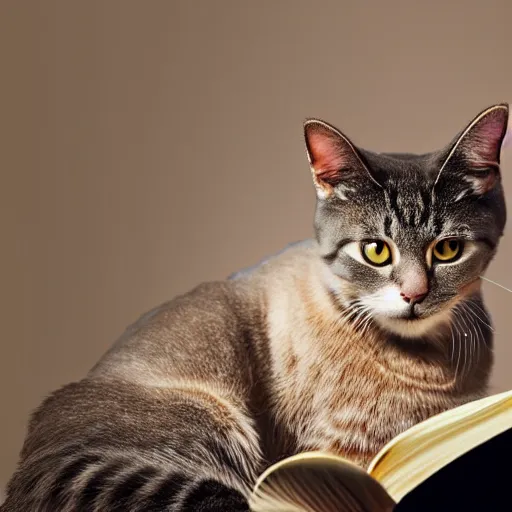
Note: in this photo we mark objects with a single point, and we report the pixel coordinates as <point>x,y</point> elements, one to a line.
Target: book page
<point>419,452</point>
<point>314,482</point>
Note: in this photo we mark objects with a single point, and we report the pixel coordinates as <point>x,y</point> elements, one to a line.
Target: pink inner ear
<point>484,140</point>
<point>327,155</point>
<point>508,137</point>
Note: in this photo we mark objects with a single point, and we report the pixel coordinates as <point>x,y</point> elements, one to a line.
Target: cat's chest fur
<point>348,404</point>
<point>335,388</point>
<point>350,410</point>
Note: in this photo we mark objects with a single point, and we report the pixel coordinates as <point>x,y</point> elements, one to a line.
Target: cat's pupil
<point>379,247</point>
<point>453,244</point>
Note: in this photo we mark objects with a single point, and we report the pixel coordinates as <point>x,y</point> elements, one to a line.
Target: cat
<point>337,343</point>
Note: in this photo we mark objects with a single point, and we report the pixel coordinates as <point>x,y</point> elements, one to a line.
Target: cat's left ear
<point>477,149</point>
<point>335,162</point>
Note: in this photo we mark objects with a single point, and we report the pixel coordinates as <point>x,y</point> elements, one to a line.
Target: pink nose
<point>413,297</point>
<point>414,287</point>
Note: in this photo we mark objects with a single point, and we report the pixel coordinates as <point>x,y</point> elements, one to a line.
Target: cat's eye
<point>448,250</point>
<point>376,253</point>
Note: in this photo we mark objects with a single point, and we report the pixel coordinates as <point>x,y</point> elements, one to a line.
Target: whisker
<point>349,312</point>
<point>494,282</point>
<point>477,325</point>
<point>468,344</point>
<point>360,312</point>
<point>452,355</point>
<point>367,326</point>
<point>367,323</point>
<point>460,345</point>
<point>456,344</point>
<point>472,340</point>
<point>474,303</point>
<point>363,313</point>
<point>468,304</point>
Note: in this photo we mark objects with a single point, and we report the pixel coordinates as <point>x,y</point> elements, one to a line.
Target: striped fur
<point>135,434</point>
<point>202,393</point>
<point>127,438</point>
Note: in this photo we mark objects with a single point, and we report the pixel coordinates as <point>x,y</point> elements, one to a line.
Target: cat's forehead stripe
<point>410,214</point>
<point>411,208</point>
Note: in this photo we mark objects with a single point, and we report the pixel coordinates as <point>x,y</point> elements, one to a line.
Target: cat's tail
<point>112,447</point>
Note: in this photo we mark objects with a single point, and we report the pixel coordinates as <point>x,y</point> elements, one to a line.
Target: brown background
<point>148,146</point>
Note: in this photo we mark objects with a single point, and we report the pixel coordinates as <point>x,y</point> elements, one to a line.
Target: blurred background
<point>149,146</point>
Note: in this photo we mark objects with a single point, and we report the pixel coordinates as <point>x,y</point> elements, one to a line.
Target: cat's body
<point>202,393</point>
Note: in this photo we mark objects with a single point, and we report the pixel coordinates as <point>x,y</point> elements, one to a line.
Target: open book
<point>456,460</point>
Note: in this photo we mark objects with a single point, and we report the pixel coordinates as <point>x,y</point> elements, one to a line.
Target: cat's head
<point>406,237</point>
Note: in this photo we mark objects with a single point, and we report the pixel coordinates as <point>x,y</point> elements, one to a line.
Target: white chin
<point>414,328</point>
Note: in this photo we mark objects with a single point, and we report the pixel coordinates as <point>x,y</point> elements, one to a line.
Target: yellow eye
<point>447,250</point>
<point>377,253</point>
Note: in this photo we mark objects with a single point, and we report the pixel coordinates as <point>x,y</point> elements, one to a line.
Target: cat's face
<point>406,237</point>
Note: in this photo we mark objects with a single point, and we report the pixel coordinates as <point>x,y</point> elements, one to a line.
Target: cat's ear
<point>477,149</point>
<point>332,157</point>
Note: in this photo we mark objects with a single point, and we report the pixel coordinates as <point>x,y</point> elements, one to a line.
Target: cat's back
<point>180,338</point>
<point>202,333</point>
<point>285,263</point>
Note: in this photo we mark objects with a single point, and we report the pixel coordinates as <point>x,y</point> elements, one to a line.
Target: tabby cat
<point>337,343</point>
